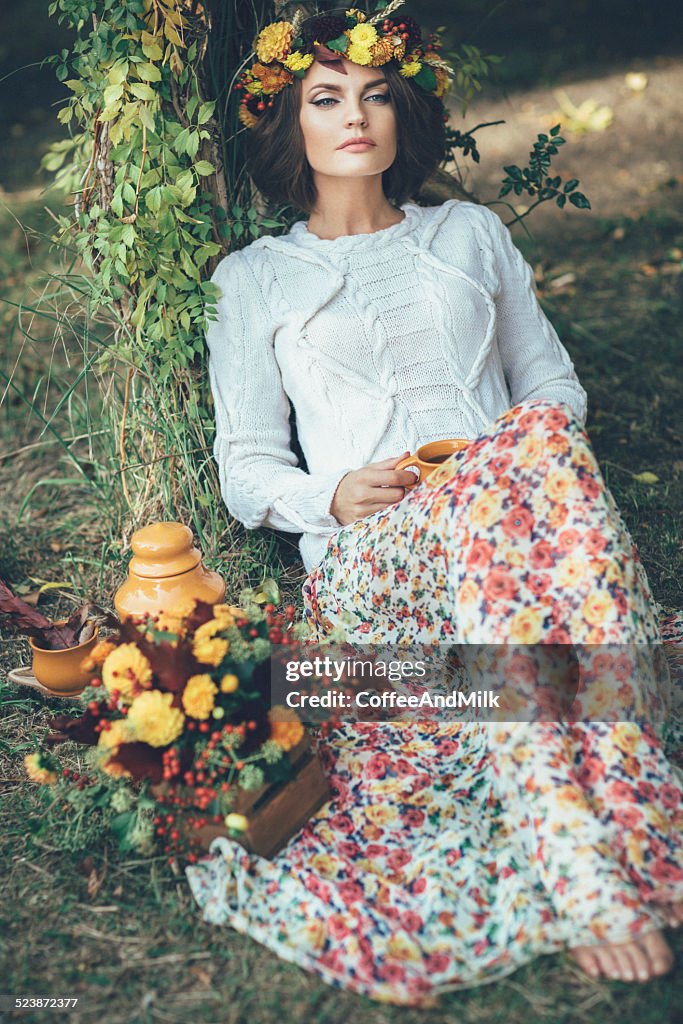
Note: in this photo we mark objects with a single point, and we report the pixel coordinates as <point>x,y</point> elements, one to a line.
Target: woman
<point>450,853</point>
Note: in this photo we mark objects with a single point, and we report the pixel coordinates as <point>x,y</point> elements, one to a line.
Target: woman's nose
<point>356,118</point>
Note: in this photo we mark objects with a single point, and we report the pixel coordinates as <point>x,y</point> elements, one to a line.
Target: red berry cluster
<point>407,28</point>
<point>81,780</point>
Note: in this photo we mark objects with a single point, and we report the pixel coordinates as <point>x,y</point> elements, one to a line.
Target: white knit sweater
<point>383,341</point>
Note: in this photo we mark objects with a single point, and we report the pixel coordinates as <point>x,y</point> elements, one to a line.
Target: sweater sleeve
<point>535,362</point>
<point>261,483</point>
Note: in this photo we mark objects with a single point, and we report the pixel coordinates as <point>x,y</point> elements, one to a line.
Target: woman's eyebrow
<point>337,88</point>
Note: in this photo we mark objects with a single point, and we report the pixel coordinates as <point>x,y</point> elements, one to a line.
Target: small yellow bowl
<point>60,672</point>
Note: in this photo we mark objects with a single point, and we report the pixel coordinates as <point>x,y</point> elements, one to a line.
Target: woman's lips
<point>358,147</point>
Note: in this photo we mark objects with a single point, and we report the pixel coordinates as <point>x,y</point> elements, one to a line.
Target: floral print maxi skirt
<point>451,853</point>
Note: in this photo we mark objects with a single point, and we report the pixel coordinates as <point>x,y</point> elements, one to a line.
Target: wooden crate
<point>276,811</point>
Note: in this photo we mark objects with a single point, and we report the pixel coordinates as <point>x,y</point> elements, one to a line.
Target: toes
<point>586,960</point>
<point>641,961</point>
<point>607,962</point>
<point>658,952</point>
<point>622,955</point>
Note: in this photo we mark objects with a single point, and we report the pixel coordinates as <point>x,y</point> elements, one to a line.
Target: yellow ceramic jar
<point>166,574</point>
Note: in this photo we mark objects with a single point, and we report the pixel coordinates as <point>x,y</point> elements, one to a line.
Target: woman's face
<point>336,108</point>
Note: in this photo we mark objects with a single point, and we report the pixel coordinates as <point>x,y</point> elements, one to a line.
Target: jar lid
<point>163,549</point>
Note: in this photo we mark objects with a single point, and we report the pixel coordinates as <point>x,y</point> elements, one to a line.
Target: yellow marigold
<point>206,646</point>
<point>125,665</point>
<point>198,696</point>
<point>359,54</point>
<point>363,35</point>
<point>299,61</point>
<point>226,614</point>
<point>36,772</point>
<point>120,732</point>
<point>208,630</point>
<point>246,117</point>
<point>154,720</point>
<point>273,79</point>
<point>229,683</point>
<point>410,68</point>
<point>287,730</point>
<point>211,652</point>
<point>98,654</point>
<point>109,743</point>
<point>274,41</point>
<point>385,50</point>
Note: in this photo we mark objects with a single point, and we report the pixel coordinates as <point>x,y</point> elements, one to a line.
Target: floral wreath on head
<point>286,49</point>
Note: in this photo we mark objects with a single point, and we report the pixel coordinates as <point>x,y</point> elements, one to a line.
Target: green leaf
<point>425,78</point>
<point>571,185</point>
<point>149,72</point>
<point>142,91</point>
<point>146,117</point>
<point>117,73</point>
<point>204,168</point>
<point>192,144</point>
<point>646,477</point>
<point>579,200</point>
<point>152,51</point>
<point>188,266</point>
<point>339,44</point>
<point>205,112</point>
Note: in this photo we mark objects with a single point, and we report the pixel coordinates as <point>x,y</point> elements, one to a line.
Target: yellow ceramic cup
<point>430,456</point>
<point>60,672</point>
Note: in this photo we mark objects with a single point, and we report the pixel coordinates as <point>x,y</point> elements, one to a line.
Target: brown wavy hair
<point>276,156</point>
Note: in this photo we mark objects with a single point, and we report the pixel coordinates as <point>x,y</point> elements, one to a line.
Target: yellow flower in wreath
<point>273,79</point>
<point>199,696</point>
<point>410,68</point>
<point>298,61</point>
<point>274,41</point>
<point>359,54</point>
<point>363,35</point>
<point>248,119</point>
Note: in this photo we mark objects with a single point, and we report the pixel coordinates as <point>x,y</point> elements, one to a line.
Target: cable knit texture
<point>382,342</point>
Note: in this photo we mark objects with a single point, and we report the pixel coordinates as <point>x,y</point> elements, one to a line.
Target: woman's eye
<point>383,96</point>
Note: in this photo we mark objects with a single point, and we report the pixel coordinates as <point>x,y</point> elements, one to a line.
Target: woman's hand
<point>369,489</point>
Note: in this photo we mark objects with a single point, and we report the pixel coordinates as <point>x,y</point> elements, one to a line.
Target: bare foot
<point>640,959</point>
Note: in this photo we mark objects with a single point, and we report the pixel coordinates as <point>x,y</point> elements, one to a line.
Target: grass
<point>123,934</point>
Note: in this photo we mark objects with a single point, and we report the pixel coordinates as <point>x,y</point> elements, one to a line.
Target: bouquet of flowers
<point>179,723</point>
